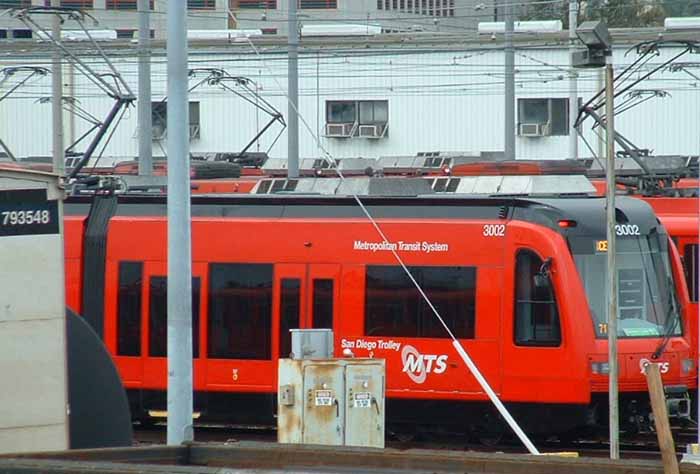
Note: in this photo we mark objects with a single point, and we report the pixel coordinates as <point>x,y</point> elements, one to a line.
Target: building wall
<point>456,16</point>
<point>438,101</point>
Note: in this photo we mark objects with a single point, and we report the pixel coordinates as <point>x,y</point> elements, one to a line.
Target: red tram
<point>521,283</point>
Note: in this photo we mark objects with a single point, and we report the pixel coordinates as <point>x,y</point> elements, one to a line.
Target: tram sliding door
<point>306,297</point>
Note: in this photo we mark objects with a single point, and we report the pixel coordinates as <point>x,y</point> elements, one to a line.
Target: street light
<point>595,36</point>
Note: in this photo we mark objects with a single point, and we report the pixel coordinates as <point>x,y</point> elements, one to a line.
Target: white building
<point>370,97</point>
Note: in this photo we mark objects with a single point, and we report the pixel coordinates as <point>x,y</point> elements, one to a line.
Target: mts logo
<point>418,365</point>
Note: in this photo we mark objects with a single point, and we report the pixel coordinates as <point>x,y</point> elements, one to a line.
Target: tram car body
<point>520,282</point>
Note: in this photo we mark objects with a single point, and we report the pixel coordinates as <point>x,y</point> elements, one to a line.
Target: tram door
<point>306,296</point>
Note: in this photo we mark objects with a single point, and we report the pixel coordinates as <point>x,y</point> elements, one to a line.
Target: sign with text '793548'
<point>27,212</point>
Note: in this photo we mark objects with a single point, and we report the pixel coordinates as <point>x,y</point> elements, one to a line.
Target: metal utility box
<point>312,343</point>
<point>331,402</point>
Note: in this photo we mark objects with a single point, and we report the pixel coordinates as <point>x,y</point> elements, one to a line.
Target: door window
<point>536,315</point>
<point>158,317</point>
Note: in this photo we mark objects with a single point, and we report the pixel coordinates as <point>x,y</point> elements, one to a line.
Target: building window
<point>201,4</point>
<point>394,307</point>
<point>121,5</point>
<point>255,4</point>
<point>159,118</point>
<point>290,304</point>
<point>76,3</point>
<point>125,5</point>
<point>318,4</point>
<point>15,4</point>
<point>158,317</point>
<point>374,112</point>
<point>380,4</point>
<point>536,315</point>
<point>543,117</point>
<point>129,309</point>
<point>22,34</point>
<point>240,311</point>
<point>364,118</point>
<point>125,34</point>
<point>690,265</point>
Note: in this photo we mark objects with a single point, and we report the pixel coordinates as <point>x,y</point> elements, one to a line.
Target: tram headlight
<point>687,366</point>
<point>600,368</point>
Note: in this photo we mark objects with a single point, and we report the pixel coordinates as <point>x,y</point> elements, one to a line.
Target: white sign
<point>324,398</point>
<point>362,400</point>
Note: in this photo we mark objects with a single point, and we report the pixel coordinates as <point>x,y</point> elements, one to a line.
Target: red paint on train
<point>307,256</point>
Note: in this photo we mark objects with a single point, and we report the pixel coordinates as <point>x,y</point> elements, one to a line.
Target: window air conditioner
<point>339,130</point>
<point>534,129</point>
<point>373,131</point>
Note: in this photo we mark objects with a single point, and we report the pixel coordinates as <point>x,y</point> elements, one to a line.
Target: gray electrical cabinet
<point>331,402</point>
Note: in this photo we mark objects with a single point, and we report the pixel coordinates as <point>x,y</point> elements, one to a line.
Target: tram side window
<point>536,315</point>
<point>290,302</point>
<point>394,307</point>
<point>690,264</point>
<point>323,304</point>
<point>129,309</point>
<point>158,317</point>
<point>240,311</point>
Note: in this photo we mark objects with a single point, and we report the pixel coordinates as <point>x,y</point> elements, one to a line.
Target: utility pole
<point>612,274</point>
<point>293,89</point>
<point>145,124</point>
<point>59,164</point>
<point>179,234</point>
<point>573,82</point>
<point>509,115</point>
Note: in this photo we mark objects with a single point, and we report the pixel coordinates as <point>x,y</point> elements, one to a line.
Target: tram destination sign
<point>27,212</point>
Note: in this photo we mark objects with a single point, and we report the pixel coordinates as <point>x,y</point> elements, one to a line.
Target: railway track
<point>642,446</point>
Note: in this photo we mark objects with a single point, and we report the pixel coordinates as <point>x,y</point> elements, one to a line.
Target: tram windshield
<point>646,298</point>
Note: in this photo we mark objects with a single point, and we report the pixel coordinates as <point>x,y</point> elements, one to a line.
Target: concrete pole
<point>612,269</point>
<point>509,113</point>
<point>293,88</point>
<point>59,164</point>
<point>573,82</point>
<point>179,236</point>
<point>144,100</point>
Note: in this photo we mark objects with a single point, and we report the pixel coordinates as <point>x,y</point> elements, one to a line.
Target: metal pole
<point>59,164</point>
<point>573,82</point>
<point>293,87</point>
<point>600,83</point>
<point>179,237</point>
<point>612,273</point>
<point>509,115</point>
<point>145,125</point>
